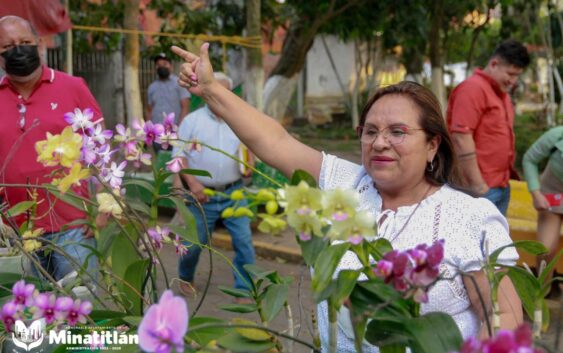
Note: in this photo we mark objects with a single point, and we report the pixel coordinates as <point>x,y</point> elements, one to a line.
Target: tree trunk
<point>278,91</point>
<point>254,80</point>
<point>117,68</point>
<point>131,70</point>
<point>436,56</point>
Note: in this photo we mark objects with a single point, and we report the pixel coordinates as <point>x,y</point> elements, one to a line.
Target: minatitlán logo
<point>28,337</point>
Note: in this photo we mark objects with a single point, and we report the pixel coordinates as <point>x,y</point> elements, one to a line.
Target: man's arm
<point>148,112</point>
<point>195,186</point>
<point>184,109</point>
<point>464,146</point>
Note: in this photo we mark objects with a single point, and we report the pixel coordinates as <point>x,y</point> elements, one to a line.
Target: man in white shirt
<point>205,127</point>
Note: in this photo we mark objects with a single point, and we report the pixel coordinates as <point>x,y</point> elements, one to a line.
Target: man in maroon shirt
<point>33,101</point>
<point>480,118</point>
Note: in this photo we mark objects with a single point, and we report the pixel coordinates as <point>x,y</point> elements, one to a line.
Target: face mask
<point>21,60</point>
<point>162,72</point>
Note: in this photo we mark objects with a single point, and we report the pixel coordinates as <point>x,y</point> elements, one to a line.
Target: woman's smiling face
<point>393,165</point>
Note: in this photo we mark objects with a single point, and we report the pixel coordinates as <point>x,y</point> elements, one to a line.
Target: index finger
<point>184,54</point>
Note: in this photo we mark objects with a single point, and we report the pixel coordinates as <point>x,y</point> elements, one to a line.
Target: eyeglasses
<point>394,134</point>
<point>21,109</point>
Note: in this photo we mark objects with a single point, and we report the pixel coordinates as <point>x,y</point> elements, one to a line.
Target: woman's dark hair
<point>445,168</point>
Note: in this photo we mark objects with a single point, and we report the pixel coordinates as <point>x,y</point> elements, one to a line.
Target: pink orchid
<point>23,294</point>
<point>9,314</point>
<point>80,119</point>
<point>50,307</point>
<point>174,165</point>
<point>164,325</point>
<point>152,132</point>
<point>98,135</point>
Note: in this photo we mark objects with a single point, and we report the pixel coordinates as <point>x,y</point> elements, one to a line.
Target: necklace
<point>410,216</point>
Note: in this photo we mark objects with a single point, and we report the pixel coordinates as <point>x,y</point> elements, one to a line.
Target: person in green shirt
<point>550,214</point>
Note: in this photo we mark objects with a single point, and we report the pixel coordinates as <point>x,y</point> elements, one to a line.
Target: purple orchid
<point>517,341</point>
<point>78,311</point>
<point>174,165</point>
<point>98,135</point>
<point>114,174</point>
<point>80,119</point>
<point>23,294</point>
<point>164,325</point>
<point>50,307</point>
<point>88,153</point>
<point>123,133</point>
<point>152,132</point>
<point>412,271</point>
<point>158,234</point>
<point>169,123</point>
<point>9,314</point>
<point>181,249</point>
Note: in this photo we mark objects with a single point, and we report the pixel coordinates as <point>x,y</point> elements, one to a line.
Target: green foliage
<point>527,129</point>
<point>107,14</point>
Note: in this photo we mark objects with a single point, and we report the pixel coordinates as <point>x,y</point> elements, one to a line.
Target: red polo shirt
<point>54,95</point>
<point>479,107</point>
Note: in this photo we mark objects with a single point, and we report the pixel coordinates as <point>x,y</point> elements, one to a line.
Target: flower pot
<point>11,264</point>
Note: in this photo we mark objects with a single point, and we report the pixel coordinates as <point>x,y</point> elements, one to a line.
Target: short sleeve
<point>87,100</point>
<point>465,108</point>
<point>337,173</point>
<point>184,94</point>
<point>487,230</point>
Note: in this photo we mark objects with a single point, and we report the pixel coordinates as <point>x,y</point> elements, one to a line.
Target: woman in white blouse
<point>406,178</point>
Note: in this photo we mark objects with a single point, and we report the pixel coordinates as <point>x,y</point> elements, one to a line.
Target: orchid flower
<point>302,199</point>
<point>174,165</point>
<point>97,134</point>
<point>164,325</point>
<point>80,119</point>
<point>23,293</point>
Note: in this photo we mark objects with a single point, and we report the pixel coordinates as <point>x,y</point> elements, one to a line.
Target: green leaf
<point>234,292</point>
<point>239,308</point>
<point>237,343</point>
<point>549,268</point>
<point>198,172</point>
<point>273,301</point>
<point>434,332</point>
<point>378,248</point>
<point>326,264</point>
<point>140,183</point>
<point>253,334</point>
<point>531,246</point>
<point>123,252</point>
<point>257,272</point>
<point>345,284</point>
<point>134,276</point>
<point>68,197</point>
<point>301,175</point>
<point>393,348</point>
<point>133,321</point>
<point>366,294</point>
<point>527,287</point>
<point>19,208</point>
<point>384,333</point>
<point>206,334</point>
<point>98,315</point>
<point>311,249</point>
<point>189,230</point>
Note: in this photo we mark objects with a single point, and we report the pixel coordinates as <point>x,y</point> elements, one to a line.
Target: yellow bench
<point>522,218</point>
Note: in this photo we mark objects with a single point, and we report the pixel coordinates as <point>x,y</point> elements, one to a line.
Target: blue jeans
<point>500,197</point>
<point>57,265</point>
<point>241,237</point>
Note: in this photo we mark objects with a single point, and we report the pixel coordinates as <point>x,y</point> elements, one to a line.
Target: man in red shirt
<point>480,118</point>
<point>33,101</point>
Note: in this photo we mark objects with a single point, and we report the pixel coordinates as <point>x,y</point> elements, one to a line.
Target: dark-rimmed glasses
<point>394,134</point>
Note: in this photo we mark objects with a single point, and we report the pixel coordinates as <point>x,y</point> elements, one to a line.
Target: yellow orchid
<point>340,205</point>
<point>31,245</point>
<point>28,234</point>
<point>108,204</point>
<point>354,229</point>
<point>302,199</point>
<point>63,149</point>
<point>306,225</point>
<point>74,176</point>
<point>270,224</point>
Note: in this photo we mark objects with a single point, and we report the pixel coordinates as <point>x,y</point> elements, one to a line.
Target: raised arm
<point>262,134</point>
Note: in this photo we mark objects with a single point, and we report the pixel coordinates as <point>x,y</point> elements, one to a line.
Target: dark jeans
<point>239,229</point>
<point>500,197</point>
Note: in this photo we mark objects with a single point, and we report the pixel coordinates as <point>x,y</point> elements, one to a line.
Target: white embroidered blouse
<point>466,224</point>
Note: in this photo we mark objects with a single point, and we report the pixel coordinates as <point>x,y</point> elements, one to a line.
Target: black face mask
<point>162,72</point>
<point>21,60</point>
